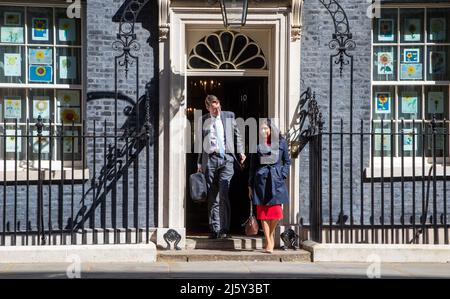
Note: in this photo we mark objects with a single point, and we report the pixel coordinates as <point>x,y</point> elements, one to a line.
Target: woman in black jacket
<point>269,167</point>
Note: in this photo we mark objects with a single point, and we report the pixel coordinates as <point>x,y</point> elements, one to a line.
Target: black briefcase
<point>197,183</point>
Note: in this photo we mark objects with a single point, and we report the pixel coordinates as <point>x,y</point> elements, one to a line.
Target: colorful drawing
<point>408,139</point>
<point>385,63</point>
<point>44,140</point>
<point>409,102</point>
<point>411,71</point>
<point>40,56</point>
<point>70,140</point>
<point>68,98</point>
<point>437,29</point>
<point>68,115</point>
<point>13,107</point>
<point>11,141</point>
<point>13,35</point>
<point>41,107</point>
<point>383,103</point>
<point>41,73</point>
<point>67,67</point>
<point>386,134</point>
<point>435,102</point>
<point>413,28</point>
<point>40,29</point>
<point>13,19</point>
<point>411,55</point>
<point>437,63</point>
<point>13,65</point>
<point>386,30</point>
<point>67,30</point>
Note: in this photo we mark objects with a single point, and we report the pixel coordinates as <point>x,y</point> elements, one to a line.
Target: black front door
<point>246,97</point>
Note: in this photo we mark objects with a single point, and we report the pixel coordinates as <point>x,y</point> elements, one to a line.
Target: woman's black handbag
<point>197,184</point>
<point>251,225</point>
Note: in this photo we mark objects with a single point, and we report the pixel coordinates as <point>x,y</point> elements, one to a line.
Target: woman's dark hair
<point>274,131</point>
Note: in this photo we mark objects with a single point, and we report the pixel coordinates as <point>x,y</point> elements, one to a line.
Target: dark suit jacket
<point>233,140</point>
<point>267,180</point>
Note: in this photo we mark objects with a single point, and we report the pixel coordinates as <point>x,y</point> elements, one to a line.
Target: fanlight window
<point>227,50</point>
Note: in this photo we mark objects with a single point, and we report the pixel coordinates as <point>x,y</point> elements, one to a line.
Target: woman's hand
<point>250,192</point>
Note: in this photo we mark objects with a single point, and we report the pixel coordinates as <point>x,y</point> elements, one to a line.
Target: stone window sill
<point>55,176</point>
<point>418,173</point>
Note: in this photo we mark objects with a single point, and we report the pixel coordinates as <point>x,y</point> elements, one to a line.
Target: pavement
<point>224,270</point>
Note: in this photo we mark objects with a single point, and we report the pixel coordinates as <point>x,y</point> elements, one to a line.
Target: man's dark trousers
<point>219,172</point>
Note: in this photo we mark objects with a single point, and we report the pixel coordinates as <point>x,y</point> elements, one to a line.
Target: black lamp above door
<point>234,13</point>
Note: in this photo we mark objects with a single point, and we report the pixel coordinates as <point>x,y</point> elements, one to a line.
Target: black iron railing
<point>66,194</point>
<point>393,190</point>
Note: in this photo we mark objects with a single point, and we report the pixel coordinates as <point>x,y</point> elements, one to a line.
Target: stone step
<point>202,255</point>
<point>236,243</point>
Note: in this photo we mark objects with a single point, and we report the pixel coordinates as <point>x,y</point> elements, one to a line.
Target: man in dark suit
<point>220,137</point>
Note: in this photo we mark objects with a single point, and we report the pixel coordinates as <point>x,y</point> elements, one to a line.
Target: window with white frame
<point>40,75</point>
<point>411,78</point>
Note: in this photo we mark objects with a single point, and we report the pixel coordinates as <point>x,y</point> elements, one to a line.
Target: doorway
<point>246,97</point>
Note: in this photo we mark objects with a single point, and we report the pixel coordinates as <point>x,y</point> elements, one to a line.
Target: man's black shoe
<point>214,235</point>
<point>225,236</point>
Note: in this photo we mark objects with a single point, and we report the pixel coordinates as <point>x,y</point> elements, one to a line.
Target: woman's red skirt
<point>274,212</point>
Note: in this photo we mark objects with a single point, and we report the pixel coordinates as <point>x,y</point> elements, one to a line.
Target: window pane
<point>410,139</point>
<point>386,27</point>
<point>385,64</point>
<point>40,25</point>
<point>12,64</point>
<point>438,25</point>
<point>41,103</point>
<point>69,108</point>
<point>68,30</point>
<point>12,25</point>
<point>68,66</point>
<point>436,102</point>
<point>383,102</point>
<point>383,139</point>
<point>41,144</point>
<point>13,105</point>
<point>434,143</point>
<point>410,102</point>
<point>15,142</point>
<point>438,63</point>
<point>69,143</point>
<point>411,63</point>
<point>40,65</point>
<point>412,25</point>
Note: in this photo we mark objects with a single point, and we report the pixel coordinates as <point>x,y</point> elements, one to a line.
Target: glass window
<point>411,75</point>
<point>385,64</point>
<point>12,64</point>
<point>40,25</point>
<point>438,25</point>
<point>386,27</point>
<point>40,76</point>
<point>412,25</point>
<point>409,102</point>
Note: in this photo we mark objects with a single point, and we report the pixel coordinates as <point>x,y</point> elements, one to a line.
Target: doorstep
<point>236,248</point>
<point>203,255</point>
